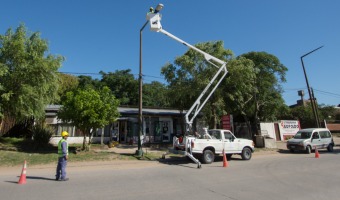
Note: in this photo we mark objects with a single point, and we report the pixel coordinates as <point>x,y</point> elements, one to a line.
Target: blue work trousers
<point>61,168</point>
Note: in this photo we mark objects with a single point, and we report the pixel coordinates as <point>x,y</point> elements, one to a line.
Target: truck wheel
<point>246,154</point>
<point>208,156</point>
<point>308,149</point>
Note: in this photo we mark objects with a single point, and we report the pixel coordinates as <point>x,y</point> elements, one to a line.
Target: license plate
<point>292,147</point>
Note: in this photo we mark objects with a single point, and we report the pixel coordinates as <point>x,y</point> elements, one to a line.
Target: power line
<point>91,73</point>
<point>320,92</point>
<point>294,89</point>
<point>327,93</point>
<point>80,73</point>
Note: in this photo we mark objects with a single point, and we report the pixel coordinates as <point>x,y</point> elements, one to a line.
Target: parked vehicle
<point>212,143</point>
<point>310,139</point>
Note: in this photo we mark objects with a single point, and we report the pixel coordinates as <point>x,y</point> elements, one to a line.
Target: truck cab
<point>213,143</point>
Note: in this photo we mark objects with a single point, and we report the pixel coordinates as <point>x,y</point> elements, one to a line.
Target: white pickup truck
<point>212,143</point>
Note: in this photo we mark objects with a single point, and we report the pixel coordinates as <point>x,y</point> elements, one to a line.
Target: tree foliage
<point>155,94</point>
<point>327,112</point>
<point>304,114</point>
<point>88,82</point>
<point>270,73</point>
<point>89,109</point>
<point>123,85</point>
<point>28,74</point>
<point>190,74</point>
<point>239,89</point>
<point>66,83</point>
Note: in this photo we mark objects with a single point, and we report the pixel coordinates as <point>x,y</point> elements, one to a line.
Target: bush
<point>41,135</point>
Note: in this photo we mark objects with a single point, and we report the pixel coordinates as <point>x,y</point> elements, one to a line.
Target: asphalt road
<point>265,177</point>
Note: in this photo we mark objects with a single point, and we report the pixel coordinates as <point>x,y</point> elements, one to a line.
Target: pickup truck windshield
<point>302,135</point>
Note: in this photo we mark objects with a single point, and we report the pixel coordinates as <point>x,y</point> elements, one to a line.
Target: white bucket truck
<point>216,141</point>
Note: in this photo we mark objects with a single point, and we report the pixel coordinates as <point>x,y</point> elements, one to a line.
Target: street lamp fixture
<point>139,151</point>
<point>159,7</point>
<point>311,97</point>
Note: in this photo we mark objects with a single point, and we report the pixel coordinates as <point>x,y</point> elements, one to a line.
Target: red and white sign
<point>227,122</point>
<point>289,128</point>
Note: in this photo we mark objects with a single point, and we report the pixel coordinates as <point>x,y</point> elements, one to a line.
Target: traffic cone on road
<point>22,179</point>
<point>225,162</point>
<point>317,155</point>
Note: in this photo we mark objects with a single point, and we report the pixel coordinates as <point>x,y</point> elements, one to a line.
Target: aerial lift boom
<point>155,25</point>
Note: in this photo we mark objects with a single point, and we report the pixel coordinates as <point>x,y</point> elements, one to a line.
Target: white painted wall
<point>78,140</point>
<point>268,128</point>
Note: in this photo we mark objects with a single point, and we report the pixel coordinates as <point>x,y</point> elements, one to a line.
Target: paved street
<point>267,176</point>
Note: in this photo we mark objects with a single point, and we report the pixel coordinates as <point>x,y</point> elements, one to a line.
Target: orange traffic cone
<point>317,155</point>
<point>22,179</point>
<point>225,162</point>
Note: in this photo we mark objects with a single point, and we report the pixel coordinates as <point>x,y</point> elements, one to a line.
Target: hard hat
<point>64,133</point>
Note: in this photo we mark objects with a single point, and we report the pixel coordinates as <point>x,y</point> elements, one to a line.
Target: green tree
<point>304,114</point>
<point>66,83</point>
<point>190,74</point>
<point>239,89</point>
<point>88,82</point>
<point>123,85</point>
<point>88,109</point>
<point>155,94</point>
<point>28,73</point>
<point>3,72</point>
<point>270,73</point>
<point>326,112</point>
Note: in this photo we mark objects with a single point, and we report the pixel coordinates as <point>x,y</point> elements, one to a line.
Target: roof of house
<point>125,110</point>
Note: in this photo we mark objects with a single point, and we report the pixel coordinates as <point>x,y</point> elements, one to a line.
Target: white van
<point>311,138</point>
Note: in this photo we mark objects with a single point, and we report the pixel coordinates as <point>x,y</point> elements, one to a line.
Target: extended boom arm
<point>155,24</point>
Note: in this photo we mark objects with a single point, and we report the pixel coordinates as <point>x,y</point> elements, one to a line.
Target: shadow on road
<point>34,178</point>
<point>40,178</point>
<point>187,162</point>
<point>178,161</point>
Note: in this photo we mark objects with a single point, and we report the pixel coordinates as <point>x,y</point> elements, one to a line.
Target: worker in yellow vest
<point>62,158</point>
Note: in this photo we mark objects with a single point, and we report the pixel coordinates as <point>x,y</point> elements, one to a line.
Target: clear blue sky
<point>103,35</point>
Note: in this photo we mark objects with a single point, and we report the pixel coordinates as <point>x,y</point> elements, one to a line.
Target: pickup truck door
<point>216,141</point>
<point>229,142</point>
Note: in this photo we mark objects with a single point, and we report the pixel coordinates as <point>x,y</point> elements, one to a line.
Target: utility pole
<point>309,89</point>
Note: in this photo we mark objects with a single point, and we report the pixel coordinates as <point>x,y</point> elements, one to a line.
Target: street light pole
<point>314,107</point>
<point>139,151</point>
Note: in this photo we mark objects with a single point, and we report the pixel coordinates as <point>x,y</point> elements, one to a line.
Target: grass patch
<point>14,151</point>
<point>14,158</point>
